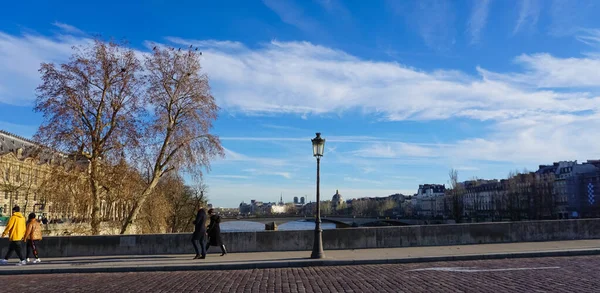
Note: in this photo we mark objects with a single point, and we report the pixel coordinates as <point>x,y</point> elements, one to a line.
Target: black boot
<point>223,250</point>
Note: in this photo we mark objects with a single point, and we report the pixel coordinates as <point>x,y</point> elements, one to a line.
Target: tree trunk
<point>137,206</point>
<point>95,222</point>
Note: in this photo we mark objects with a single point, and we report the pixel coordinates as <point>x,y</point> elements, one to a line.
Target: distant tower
<point>336,200</point>
<point>295,200</point>
<point>302,200</point>
<point>281,199</point>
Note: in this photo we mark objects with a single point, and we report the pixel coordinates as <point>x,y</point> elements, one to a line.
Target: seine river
<point>247,226</point>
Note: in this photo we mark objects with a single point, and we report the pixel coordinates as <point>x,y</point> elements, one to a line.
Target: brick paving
<point>552,274</point>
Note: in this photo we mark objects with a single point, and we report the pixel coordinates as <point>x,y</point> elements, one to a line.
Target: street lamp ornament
<point>318,144</point>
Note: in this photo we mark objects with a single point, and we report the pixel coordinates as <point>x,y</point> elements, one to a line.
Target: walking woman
<point>199,236</point>
<point>33,235</point>
<point>214,232</point>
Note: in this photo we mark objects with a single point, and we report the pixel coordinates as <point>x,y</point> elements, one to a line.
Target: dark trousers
<point>16,247</point>
<point>223,250</point>
<point>32,248</point>
<point>199,246</point>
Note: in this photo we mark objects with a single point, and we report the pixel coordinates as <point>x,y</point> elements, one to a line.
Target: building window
<point>5,194</point>
<point>17,195</point>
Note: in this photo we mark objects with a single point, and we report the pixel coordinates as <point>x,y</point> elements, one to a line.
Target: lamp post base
<point>317,251</point>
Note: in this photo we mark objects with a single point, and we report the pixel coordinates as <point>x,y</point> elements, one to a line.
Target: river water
<point>247,226</point>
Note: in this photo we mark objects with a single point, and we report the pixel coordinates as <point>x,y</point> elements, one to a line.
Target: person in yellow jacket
<point>33,235</point>
<point>15,229</point>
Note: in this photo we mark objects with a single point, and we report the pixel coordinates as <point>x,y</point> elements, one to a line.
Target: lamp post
<point>318,147</point>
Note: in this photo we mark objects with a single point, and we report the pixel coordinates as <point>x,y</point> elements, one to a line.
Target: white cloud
<point>67,28</point>
<point>478,19</point>
<point>529,13</point>
<point>302,78</point>
<point>21,57</point>
<point>528,124</point>
<point>546,71</point>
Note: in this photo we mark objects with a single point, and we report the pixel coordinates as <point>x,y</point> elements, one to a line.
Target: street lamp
<point>318,147</point>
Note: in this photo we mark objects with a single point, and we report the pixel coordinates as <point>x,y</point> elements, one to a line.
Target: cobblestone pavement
<point>558,274</point>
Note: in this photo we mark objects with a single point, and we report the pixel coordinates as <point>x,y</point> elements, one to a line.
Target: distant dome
<point>337,197</point>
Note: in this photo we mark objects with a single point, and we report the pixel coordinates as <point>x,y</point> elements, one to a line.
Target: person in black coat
<point>214,232</point>
<point>199,236</point>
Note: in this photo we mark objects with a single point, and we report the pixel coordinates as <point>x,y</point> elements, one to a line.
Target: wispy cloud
<point>206,43</point>
<point>478,19</point>
<point>590,37</point>
<point>394,151</point>
<point>231,156</point>
<point>361,180</point>
<point>282,127</point>
<point>286,175</point>
<point>434,20</point>
<point>293,14</point>
<point>466,168</point>
<point>568,17</point>
<point>336,7</point>
<point>368,170</point>
<point>230,176</point>
<point>359,139</point>
<point>529,13</point>
<point>67,28</point>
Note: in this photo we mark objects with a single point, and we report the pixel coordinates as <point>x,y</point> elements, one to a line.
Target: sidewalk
<point>283,259</point>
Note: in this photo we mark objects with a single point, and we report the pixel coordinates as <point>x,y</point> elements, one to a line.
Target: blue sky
<point>402,90</point>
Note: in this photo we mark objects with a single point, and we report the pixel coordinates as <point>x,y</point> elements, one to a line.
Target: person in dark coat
<point>214,232</point>
<point>199,236</point>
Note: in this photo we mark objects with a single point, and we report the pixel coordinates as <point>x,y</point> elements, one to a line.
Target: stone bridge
<point>340,222</point>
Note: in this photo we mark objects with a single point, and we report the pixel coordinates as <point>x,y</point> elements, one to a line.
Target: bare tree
<point>178,134</point>
<point>456,196</point>
<point>325,208</point>
<point>90,107</point>
<point>359,207</point>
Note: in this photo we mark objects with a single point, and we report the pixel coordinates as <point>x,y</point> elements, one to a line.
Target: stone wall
<point>350,238</point>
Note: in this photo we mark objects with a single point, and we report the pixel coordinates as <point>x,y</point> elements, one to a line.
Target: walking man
<point>199,236</point>
<point>15,229</point>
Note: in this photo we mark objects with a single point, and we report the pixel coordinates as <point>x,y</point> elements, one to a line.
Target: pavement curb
<point>302,263</point>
